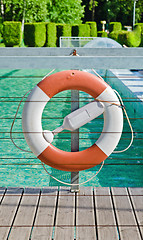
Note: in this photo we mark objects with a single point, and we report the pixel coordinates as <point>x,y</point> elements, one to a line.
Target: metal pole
<point>134,13</point>
<point>74,139</point>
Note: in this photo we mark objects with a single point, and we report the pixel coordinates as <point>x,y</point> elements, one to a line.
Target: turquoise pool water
<point>18,168</point>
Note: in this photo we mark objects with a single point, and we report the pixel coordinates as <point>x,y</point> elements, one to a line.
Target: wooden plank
<point>126,220</point>
<point>85,221</point>
<point>136,191</point>
<point>64,227</point>
<point>2,191</point>
<point>8,210</point>
<point>24,219</point>
<point>137,200</point>
<point>69,62</point>
<point>43,227</point>
<point>106,223</point>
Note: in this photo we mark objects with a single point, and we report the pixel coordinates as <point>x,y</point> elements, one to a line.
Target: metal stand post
<point>134,13</point>
<point>75,139</point>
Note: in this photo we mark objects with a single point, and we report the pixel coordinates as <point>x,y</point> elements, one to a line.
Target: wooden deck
<point>46,214</point>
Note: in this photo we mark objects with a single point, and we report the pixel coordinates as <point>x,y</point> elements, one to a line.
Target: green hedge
<point>81,30</point>
<point>115,26</point>
<point>34,34</point>
<point>130,39</point>
<point>63,30</point>
<point>93,28</point>
<point>102,34</point>
<point>141,25</point>
<point>1,28</point>
<point>114,35</point>
<point>12,33</point>
<point>51,34</point>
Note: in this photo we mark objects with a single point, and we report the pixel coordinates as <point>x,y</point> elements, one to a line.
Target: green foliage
<point>30,10</point>
<point>102,34</point>
<point>12,33</point>
<point>51,35</point>
<point>139,11</point>
<point>63,30</point>
<point>36,10</point>
<point>93,28</point>
<point>65,11</point>
<point>13,10</point>
<point>1,28</point>
<point>2,45</point>
<point>130,39</point>
<point>112,9</point>
<point>92,4</point>
<point>114,35</point>
<point>115,11</point>
<point>141,44</point>
<point>114,29</point>
<point>141,26</point>
<point>81,30</point>
<point>34,34</point>
<point>115,26</point>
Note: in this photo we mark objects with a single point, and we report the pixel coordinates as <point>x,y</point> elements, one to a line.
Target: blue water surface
<point>19,168</point>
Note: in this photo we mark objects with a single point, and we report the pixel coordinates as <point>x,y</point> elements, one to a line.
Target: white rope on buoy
<point>72,184</point>
<point>132,132</point>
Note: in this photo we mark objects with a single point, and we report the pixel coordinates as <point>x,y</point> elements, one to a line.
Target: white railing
<point>74,41</point>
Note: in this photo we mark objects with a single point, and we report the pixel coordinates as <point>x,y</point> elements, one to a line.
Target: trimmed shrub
<point>51,35</point>
<point>130,39</point>
<point>93,28</point>
<point>34,34</point>
<point>1,28</point>
<point>63,30</point>
<point>115,26</point>
<point>114,35</point>
<point>123,37</point>
<point>12,33</point>
<point>141,25</point>
<point>102,34</point>
<point>1,31</point>
<point>81,30</point>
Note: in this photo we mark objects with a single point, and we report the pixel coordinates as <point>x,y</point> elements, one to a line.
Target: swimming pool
<point>18,168</point>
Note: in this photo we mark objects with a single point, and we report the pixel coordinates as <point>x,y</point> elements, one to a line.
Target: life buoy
<point>32,115</point>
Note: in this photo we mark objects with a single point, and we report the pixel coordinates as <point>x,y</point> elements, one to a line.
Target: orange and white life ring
<point>32,115</point>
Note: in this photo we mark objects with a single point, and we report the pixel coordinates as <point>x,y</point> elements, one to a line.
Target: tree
<point>32,10</point>
<point>92,5</point>
<point>113,10</point>
<point>90,10</point>
<point>139,11</point>
<point>122,10</point>
<point>36,10</point>
<point>118,10</point>
<point>65,11</point>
